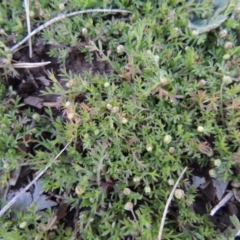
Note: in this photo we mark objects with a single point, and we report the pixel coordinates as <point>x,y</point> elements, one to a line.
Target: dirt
<point>29,84</point>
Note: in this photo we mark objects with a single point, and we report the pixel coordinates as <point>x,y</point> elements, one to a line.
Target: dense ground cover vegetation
<point>140,96</point>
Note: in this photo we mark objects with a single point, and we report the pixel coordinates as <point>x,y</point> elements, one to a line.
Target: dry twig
<point>168,203</point>
<point>26,2</point>
<point>29,65</point>
<point>221,203</point>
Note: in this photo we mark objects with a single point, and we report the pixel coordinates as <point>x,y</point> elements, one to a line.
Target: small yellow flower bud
<point>22,225</point>
<point>36,117</point>
<point>70,116</point>
<point>124,120</point>
<point>149,147</point>
<point>147,189</point>
<point>227,80</point>
<point>109,106</point>
<point>115,109</point>
<point>163,80</point>
<point>179,193</point>
<point>226,56</point>
<point>217,162</point>
<point>167,139</point>
<point>106,84</point>
<point>2,31</point>
<point>202,82</point>
<point>79,190</point>
<point>212,173</point>
<point>126,191</point>
<point>228,45</point>
<point>61,6</point>
<point>195,33</point>
<point>128,206</point>
<point>67,104</point>
<point>84,31</point>
<point>223,33</point>
<point>171,150</point>
<point>136,179</point>
<point>120,48</point>
<point>170,182</point>
<point>200,129</point>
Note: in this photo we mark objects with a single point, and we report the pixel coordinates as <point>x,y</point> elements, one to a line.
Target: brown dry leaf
<point>85,107</point>
<point>205,148</point>
<point>125,75</point>
<point>235,104</point>
<point>62,210</point>
<point>165,94</point>
<point>130,71</point>
<point>199,97</point>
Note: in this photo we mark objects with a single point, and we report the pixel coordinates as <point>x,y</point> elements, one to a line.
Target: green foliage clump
<point>170,101</point>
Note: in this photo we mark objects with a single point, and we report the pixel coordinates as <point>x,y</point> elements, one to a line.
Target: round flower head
<point>136,179</point>
<point>124,120</point>
<point>228,45</point>
<point>126,191</point>
<point>84,31</point>
<point>200,129</point>
<point>109,106</point>
<point>147,189</point>
<point>227,79</point>
<point>217,162</point>
<point>79,190</point>
<point>22,225</point>
<point>120,48</point>
<point>167,139</point>
<point>149,147</point>
<point>106,84</point>
<point>128,206</point>
<point>170,182</point>
<point>179,193</point>
<point>61,6</point>
<point>223,33</point>
<point>36,117</point>
<point>212,173</point>
<point>115,109</point>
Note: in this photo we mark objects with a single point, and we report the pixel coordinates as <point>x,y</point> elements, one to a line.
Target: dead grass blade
<point>168,203</point>
<point>26,2</point>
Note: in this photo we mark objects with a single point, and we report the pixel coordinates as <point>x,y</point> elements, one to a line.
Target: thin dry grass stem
<point>61,17</point>
<point>10,203</point>
<point>26,2</point>
<point>168,203</point>
<point>29,65</point>
<point>222,203</point>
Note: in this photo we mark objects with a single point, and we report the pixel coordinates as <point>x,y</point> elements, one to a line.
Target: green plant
<point>170,100</point>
